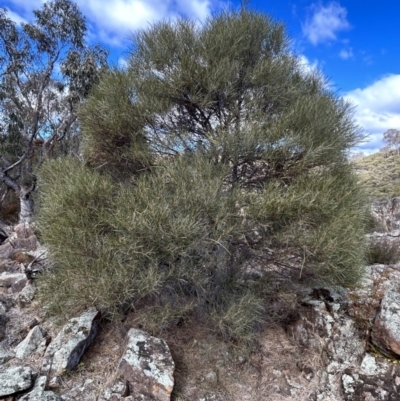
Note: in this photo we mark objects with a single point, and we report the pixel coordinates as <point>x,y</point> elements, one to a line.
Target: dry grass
<point>99,362</point>
<point>384,251</point>
<point>277,369</point>
<point>380,174</point>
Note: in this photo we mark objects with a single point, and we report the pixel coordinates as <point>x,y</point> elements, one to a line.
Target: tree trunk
<point>24,194</point>
<point>26,205</point>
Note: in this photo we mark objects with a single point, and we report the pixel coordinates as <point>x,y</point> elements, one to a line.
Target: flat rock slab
<point>15,379</point>
<point>386,330</point>
<point>147,366</point>
<point>65,352</point>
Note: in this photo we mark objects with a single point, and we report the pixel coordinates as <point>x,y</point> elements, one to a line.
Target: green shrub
<point>384,251</point>
<point>167,240</point>
<point>232,158</point>
<point>113,139</point>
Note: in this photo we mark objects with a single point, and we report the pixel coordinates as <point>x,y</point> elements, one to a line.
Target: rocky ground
<point>339,345</point>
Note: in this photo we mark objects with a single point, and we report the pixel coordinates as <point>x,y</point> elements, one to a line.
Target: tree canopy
<point>215,167</point>
<point>46,70</point>
<point>392,138</point>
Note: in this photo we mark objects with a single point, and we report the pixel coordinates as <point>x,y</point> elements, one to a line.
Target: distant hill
<point>380,173</point>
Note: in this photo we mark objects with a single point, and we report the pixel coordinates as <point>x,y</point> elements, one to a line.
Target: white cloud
<point>15,17</point>
<point>114,20</point>
<point>378,108</point>
<point>122,63</point>
<point>345,54</point>
<point>325,22</point>
<point>196,8</point>
<point>123,15</point>
<point>307,64</point>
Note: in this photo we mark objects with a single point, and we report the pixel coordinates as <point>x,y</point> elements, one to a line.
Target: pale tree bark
<point>24,193</point>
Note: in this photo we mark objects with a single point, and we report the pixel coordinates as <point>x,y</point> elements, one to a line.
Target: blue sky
<point>355,44</point>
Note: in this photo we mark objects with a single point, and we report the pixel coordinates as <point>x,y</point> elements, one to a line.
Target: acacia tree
<point>212,155</point>
<point>46,70</point>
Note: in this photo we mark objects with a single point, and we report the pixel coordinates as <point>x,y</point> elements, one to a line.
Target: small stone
<point>19,285</point>
<point>54,382</point>
<point>23,230</point>
<point>30,344</point>
<point>26,296</point>
<point>147,366</point>
<point>211,377</point>
<point>117,391</point>
<point>27,244</point>
<point>6,250</point>
<point>15,280</point>
<point>369,366</point>
<point>348,383</point>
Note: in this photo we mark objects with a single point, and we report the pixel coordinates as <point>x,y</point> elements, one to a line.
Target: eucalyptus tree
<point>46,70</point>
<point>392,138</point>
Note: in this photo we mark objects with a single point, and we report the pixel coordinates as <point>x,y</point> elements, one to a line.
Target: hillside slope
<point>380,173</point>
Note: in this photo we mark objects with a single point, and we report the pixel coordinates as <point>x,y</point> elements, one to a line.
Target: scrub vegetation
<point>213,175</point>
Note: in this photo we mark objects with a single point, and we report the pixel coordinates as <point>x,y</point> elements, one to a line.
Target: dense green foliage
<point>215,167</point>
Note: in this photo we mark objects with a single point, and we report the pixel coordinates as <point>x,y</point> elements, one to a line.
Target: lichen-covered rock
<point>147,366</point>
<point>23,230</point>
<point>6,250</point>
<point>375,380</point>
<point>30,344</point>
<point>117,392</point>
<point>320,327</point>
<point>16,281</point>
<point>386,213</point>
<point>5,354</point>
<point>386,330</point>
<point>66,350</point>
<point>7,265</point>
<point>27,244</point>
<point>87,391</point>
<point>39,394</point>
<point>15,379</point>
<point>26,295</point>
